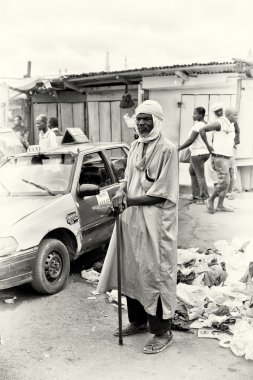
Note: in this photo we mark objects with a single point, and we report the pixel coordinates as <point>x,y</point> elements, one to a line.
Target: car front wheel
<point>51,267</point>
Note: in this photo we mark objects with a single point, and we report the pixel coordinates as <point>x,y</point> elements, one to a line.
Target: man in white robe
<point>148,201</point>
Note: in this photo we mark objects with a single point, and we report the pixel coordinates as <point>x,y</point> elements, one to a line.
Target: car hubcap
<point>53,266</point>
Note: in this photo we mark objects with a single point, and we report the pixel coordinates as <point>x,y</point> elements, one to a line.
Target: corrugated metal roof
<point>200,68</point>
<point>135,75</point>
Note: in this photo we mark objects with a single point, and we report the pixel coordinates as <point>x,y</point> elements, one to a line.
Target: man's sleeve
<point>53,141</point>
<point>166,184</point>
<point>237,134</point>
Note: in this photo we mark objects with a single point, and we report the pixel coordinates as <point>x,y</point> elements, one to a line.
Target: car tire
<point>51,267</point>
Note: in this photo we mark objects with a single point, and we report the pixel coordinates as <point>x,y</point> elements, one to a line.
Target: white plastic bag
<point>130,121</point>
<point>242,341</point>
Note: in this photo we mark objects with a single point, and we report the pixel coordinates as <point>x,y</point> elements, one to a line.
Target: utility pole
<point>28,70</point>
<point>125,63</point>
<point>107,61</point>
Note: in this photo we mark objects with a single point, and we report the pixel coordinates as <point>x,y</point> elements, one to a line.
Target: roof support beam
<point>71,86</point>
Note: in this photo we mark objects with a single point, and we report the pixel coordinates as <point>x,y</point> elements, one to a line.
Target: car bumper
<point>17,269</point>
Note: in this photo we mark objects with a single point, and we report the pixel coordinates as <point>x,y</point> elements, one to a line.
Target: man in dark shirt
<point>20,130</point>
<point>53,125</point>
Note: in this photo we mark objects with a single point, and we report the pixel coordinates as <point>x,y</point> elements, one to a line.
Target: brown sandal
<point>224,209</point>
<point>131,329</point>
<point>154,345</point>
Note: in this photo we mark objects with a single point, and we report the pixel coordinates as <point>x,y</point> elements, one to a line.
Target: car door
<point>117,157</point>
<point>95,229</point>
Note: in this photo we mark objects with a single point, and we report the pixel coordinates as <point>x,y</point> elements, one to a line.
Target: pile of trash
<point>215,294</point>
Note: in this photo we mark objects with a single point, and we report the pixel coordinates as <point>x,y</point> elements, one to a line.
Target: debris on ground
<point>91,298</point>
<point>98,266</point>
<point>90,275</point>
<point>242,341</point>
<point>113,299</point>
<point>10,300</point>
<point>94,292</point>
<point>215,294</point>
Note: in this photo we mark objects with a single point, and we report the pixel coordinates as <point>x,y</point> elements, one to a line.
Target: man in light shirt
<point>47,138</point>
<point>199,155</point>
<point>221,151</point>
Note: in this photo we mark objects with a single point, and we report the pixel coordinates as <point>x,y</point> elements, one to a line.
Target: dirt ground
<point>66,336</point>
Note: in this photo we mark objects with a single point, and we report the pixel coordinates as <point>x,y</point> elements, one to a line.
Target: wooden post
<point>6,121</point>
<point>139,93</point>
<point>118,234</point>
<point>28,118</point>
<point>29,69</point>
<point>238,93</point>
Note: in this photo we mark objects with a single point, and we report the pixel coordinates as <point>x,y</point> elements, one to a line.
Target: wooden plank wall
<point>65,115</point>
<point>116,121</point>
<point>106,122</point>
<point>69,115</point>
<point>105,119</point>
<point>104,111</point>
<point>48,109</point>
<point>79,115</point>
<point>93,121</point>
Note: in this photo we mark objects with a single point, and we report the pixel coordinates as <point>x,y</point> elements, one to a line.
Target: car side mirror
<point>87,190</point>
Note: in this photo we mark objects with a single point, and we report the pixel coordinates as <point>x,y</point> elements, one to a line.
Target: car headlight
<point>8,245</point>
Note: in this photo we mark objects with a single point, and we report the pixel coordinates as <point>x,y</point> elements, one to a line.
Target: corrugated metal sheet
<point>201,68</point>
<point>135,75</point>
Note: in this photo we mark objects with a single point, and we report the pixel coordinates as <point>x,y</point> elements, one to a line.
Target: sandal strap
<point>154,345</point>
<point>131,329</point>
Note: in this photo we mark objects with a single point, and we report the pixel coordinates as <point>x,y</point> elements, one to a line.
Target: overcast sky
<point>75,35</point>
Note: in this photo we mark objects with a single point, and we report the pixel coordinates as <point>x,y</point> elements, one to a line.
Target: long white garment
<point>148,233</point>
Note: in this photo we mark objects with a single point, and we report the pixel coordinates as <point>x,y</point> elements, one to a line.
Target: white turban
<point>217,106</point>
<point>150,107</point>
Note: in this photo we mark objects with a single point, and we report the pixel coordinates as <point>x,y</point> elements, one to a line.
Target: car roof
<point>4,130</point>
<point>76,148</point>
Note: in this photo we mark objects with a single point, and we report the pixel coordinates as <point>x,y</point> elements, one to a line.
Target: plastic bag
<point>90,275</point>
<point>185,156</point>
<point>242,341</point>
<point>130,121</point>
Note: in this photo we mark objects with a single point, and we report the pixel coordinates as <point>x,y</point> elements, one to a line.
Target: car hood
<point>13,209</point>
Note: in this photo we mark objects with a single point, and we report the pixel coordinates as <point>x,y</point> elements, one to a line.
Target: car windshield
<point>36,174</point>
<point>10,144</point>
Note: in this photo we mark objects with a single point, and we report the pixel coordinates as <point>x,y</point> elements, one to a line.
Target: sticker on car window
<point>103,198</point>
<point>72,218</point>
<point>33,149</point>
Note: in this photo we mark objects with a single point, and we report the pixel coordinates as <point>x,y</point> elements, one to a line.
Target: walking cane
<point>118,232</point>
<point>107,210</point>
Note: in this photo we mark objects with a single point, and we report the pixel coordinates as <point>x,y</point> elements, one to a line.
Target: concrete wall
<point>168,91</point>
<point>168,100</point>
